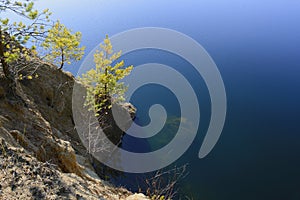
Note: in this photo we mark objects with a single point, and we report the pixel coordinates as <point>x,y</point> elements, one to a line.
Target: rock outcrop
<point>41,154</point>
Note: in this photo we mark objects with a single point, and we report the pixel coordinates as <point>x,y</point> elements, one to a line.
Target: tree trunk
<point>4,64</point>
<point>62,59</point>
<point>105,86</point>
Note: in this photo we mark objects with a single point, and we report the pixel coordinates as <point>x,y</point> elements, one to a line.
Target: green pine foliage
<point>63,46</point>
<point>103,82</point>
<point>15,34</point>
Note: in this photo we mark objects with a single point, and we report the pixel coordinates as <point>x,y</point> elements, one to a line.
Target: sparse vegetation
<point>163,184</point>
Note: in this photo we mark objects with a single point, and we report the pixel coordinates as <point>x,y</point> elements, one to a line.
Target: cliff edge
<point>41,155</point>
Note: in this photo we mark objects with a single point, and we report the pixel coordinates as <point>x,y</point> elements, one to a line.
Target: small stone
<point>137,197</point>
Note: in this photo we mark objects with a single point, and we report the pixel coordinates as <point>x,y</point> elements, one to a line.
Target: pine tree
<point>63,46</point>
<point>13,35</point>
<point>103,82</point>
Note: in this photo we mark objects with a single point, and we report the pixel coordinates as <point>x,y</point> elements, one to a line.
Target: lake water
<point>256,46</point>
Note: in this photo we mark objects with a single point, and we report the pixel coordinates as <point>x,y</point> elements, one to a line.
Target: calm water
<point>256,46</point>
<point>257,155</point>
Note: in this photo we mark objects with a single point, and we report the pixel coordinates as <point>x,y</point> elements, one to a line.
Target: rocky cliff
<point>41,155</point>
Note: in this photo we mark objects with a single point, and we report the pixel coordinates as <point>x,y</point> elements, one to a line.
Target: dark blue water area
<point>257,156</point>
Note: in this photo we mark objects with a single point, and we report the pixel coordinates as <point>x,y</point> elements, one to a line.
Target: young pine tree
<point>103,83</point>
<point>63,46</point>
